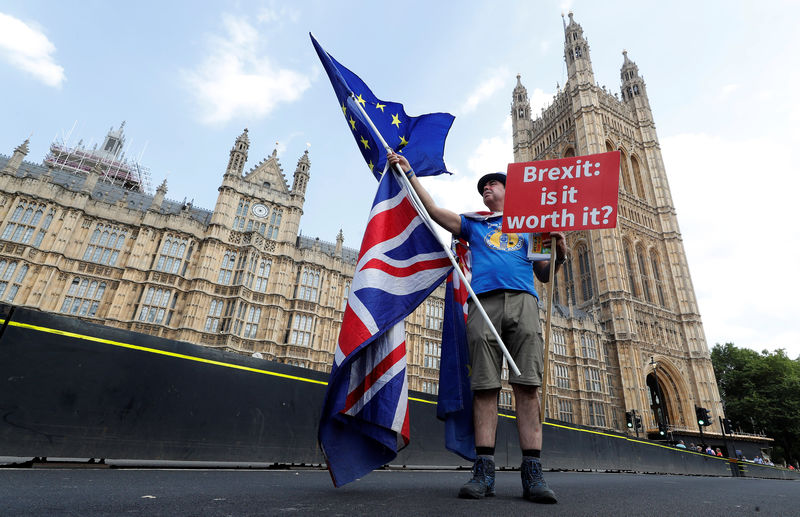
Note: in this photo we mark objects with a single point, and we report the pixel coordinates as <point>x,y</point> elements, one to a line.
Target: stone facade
<point>634,278</point>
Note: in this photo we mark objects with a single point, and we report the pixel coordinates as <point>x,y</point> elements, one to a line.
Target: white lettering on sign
<point>531,174</point>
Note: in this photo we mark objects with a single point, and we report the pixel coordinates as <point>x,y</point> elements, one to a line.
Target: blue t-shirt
<point>499,260</point>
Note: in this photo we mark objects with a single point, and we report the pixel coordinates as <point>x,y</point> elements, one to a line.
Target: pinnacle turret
<point>576,54</point>
<point>238,154</point>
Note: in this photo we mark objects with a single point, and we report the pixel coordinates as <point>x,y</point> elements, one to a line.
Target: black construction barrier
<point>72,389</point>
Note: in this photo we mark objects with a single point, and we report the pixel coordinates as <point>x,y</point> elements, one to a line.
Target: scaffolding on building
<point>109,161</point>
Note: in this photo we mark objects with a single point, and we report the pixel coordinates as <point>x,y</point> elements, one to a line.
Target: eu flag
<point>420,139</point>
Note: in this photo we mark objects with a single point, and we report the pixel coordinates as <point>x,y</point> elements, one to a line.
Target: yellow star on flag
<point>360,100</point>
<point>353,123</point>
<point>344,109</point>
<point>403,141</point>
<point>380,106</point>
<point>365,142</point>
<point>396,120</point>
<point>371,165</point>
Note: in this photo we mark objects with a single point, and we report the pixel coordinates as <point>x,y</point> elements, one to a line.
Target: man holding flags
<point>503,280</point>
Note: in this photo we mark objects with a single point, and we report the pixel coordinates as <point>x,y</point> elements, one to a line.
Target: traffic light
<point>727,425</point>
<point>629,419</point>
<point>662,429</point>
<point>638,421</point>
<point>703,416</point>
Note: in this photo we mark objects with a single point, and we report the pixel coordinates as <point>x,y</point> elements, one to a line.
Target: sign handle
<point>547,328</point>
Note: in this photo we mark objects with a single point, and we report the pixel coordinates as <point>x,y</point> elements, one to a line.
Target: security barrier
<point>73,389</point>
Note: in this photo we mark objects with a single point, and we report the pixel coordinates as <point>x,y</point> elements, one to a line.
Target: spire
<point>301,175</point>
<point>238,154</point>
<point>20,152</point>
<point>576,54</point>
<point>521,122</point>
<point>339,242</point>
<point>632,85</point>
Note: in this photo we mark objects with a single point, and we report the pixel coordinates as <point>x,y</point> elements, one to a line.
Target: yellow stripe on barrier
<point>160,352</point>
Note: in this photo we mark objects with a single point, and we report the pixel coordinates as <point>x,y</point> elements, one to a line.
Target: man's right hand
<point>395,159</point>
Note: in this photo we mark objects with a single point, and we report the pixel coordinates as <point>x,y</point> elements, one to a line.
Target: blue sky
<point>187,77</point>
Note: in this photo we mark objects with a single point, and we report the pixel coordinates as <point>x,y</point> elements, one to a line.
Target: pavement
<point>83,491</point>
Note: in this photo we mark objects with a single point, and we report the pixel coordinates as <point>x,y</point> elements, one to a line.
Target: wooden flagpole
<point>429,223</point>
<point>547,328</point>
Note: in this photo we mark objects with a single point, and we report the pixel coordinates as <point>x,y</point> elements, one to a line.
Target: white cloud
<point>27,48</point>
<point>238,79</point>
<point>485,90</point>
<point>539,100</point>
<point>728,89</point>
<point>736,208</point>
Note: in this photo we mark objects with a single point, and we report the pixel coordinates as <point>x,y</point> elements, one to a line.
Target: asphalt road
<point>155,492</point>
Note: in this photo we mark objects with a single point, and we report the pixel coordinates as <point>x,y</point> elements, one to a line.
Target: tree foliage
<point>761,393</point>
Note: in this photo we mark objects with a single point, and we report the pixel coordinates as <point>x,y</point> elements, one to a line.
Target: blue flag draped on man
<point>365,414</point>
<point>420,139</point>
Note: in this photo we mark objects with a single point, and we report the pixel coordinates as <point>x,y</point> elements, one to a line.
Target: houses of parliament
<point>80,235</point>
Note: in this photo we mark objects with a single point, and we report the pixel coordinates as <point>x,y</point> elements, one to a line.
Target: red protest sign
<point>576,193</point>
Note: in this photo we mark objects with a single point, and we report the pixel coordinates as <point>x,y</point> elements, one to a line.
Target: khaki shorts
<point>515,315</point>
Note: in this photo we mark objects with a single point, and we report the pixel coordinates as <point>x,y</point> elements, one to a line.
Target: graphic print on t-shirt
<point>498,240</point>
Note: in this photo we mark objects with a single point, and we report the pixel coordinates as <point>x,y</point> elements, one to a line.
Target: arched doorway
<point>657,402</point>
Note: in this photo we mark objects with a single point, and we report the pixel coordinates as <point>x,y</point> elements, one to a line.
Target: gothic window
<point>504,399</point>
<point>345,295</point>
<point>643,275</point>
<point>175,252</point>
<point>597,414</point>
<point>569,281</point>
<point>623,170</point>
<point>637,178</point>
<point>83,297</point>
<point>434,314</point>
<point>238,274</point>
<point>274,224</point>
<point>565,410</point>
<point>246,322</point>
<point>433,352</point>
<point>562,376</point>
<point>11,277</point>
<point>585,274</point>
<point>655,264</point>
<point>610,385</point>
<point>226,268</point>
<point>430,387</point>
<point>241,215</point>
<point>301,330</point>
<point>251,324</point>
<point>635,89</point>
<point>105,244</point>
<point>214,313</point>
<point>23,223</point>
<point>578,52</point>
<point>588,346</point>
<point>155,305</point>
<point>592,378</point>
<point>309,286</point>
<point>631,273</point>
<point>559,343</point>
<point>262,268</point>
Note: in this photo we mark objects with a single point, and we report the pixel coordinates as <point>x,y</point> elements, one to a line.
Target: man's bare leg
<point>529,424</point>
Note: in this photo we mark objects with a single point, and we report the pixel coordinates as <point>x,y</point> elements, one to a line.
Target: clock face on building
<point>260,210</point>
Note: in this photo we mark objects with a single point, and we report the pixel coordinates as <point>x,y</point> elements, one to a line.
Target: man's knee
<point>525,391</point>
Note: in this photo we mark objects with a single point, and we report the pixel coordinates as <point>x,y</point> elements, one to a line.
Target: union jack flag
<point>365,415</point>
